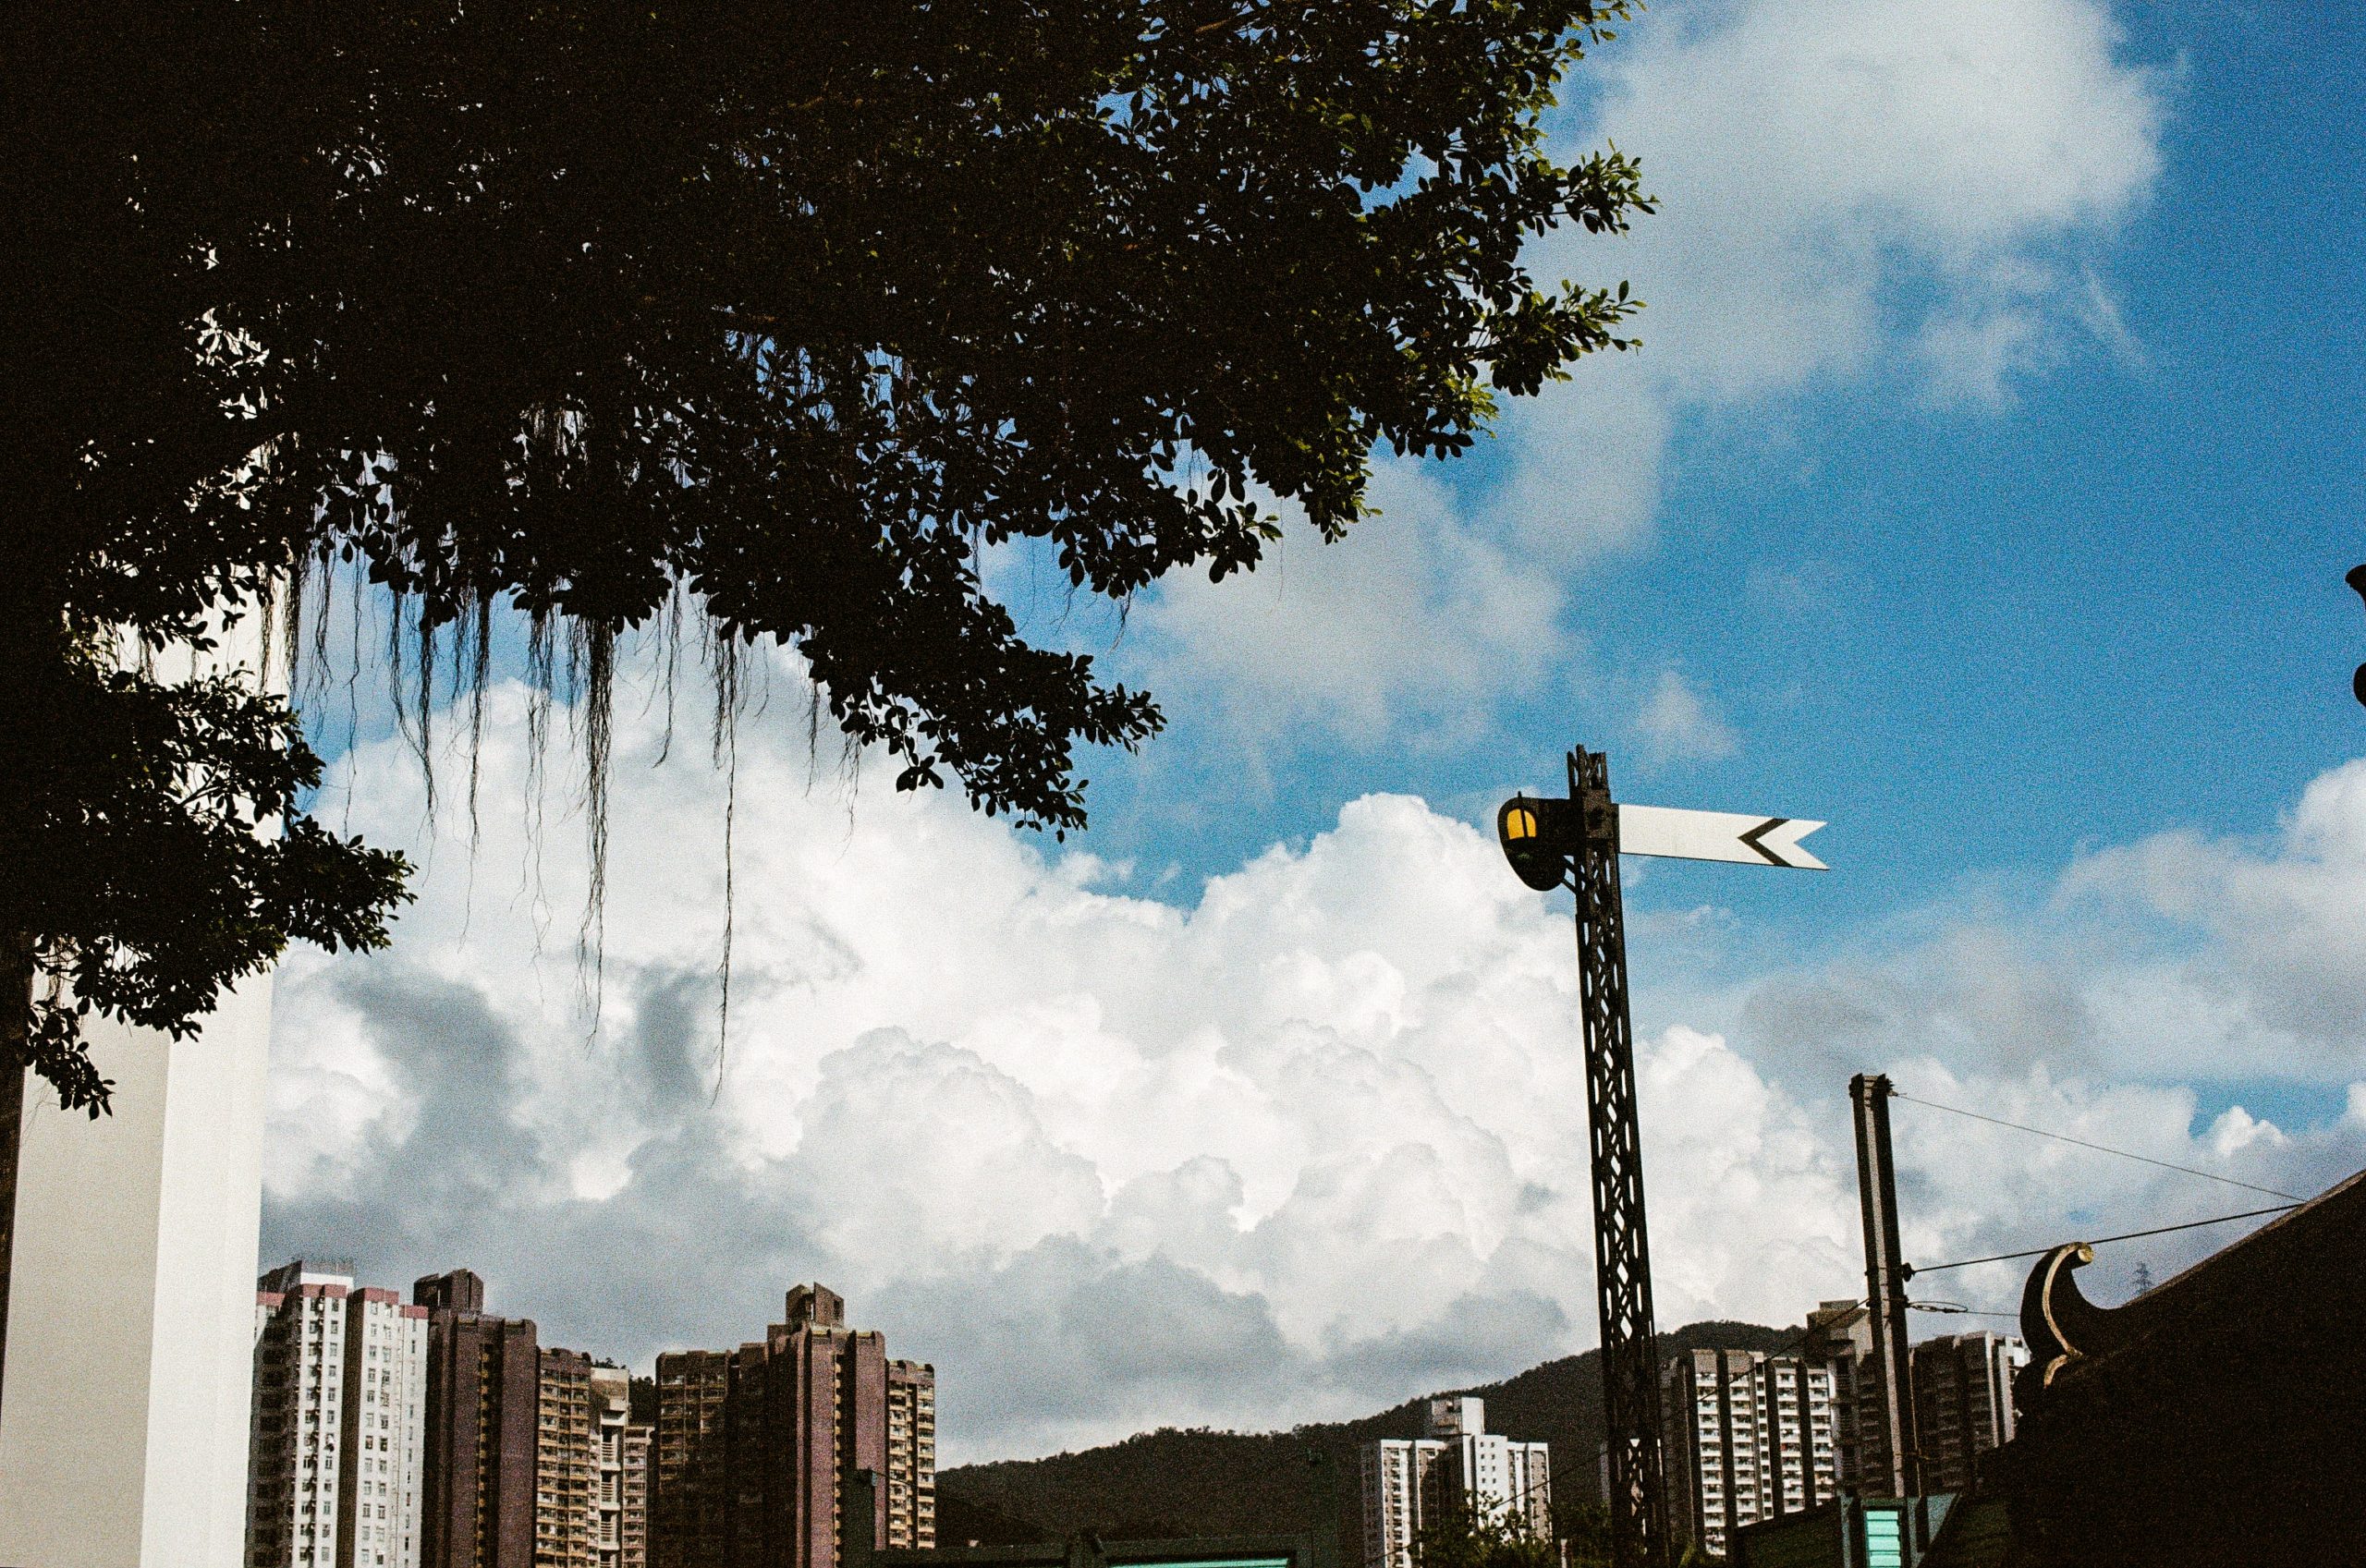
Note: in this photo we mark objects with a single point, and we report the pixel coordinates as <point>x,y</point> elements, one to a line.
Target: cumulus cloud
<point>2160,978</point>
<point>1305,1144</point>
<point>1853,193</point>
<point>2285,962</point>
<point>2178,956</point>
<point>1834,172</point>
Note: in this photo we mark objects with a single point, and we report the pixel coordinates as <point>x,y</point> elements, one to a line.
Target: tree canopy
<point>1488,1535</point>
<point>776,318</point>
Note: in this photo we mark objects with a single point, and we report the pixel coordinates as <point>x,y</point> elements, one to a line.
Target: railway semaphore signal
<point>1576,844</point>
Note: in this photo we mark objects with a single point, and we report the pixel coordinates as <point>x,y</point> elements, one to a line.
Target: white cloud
<point>2278,984</point>
<point>1309,1144</point>
<point>2177,957</point>
<point>1853,192</point>
<point>1832,170</point>
<point>1676,724</point>
<point>1330,1109</point>
<point>1410,620</point>
<point>2161,971</point>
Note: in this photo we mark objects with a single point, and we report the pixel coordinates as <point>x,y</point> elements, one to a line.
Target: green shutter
<point>1884,1537</point>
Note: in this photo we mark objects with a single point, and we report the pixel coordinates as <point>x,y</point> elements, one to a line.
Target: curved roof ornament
<point>2059,1324</point>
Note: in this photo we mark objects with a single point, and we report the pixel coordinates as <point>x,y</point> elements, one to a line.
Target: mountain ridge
<point>1180,1482</point>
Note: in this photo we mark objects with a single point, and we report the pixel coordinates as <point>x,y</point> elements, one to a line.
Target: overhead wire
<point>1914,1270</point>
<point>1952,1308</point>
<point>1958,1309</point>
<point>2100,1149</point>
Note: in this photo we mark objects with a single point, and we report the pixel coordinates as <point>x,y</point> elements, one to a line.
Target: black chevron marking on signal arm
<point>1760,832</point>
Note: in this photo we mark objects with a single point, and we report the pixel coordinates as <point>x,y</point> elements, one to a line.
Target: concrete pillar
<point>125,1385</point>
<point>123,1423</point>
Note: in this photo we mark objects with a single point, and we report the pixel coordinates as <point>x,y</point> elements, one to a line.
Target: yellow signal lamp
<point>1534,840</point>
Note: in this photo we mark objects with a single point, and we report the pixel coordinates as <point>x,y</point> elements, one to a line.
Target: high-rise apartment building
<point>1748,1437</point>
<point>334,1450</point>
<point>632,1525</point>
<point>1963,1399</point>
<point>911,1454</point>
<point>620,1474</point>
<point>1840,1335</point>
<point>1401,1479</point>
<point>756,1482</point>
<point>1495,1476</point>
<point>1411,1483</point>
<point>757,1448</point>
<point>687,1498</point>
<point>299,1418</point>
<point>809,1406</point>
<point>1963,1404</point>
<point>483,1412</point>
<point>565,1455</point>
<point>639,1489</point>
<point>385,1430</point>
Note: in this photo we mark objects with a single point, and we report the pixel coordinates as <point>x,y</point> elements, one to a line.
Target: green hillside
<point>1207,1483</point>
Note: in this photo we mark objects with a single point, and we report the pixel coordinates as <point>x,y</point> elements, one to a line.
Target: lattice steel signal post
<point>1576,844</point>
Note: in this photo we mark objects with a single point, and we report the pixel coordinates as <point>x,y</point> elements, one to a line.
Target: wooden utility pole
<point>1886,1282</point>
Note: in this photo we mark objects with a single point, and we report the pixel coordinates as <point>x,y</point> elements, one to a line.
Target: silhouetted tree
<point>1469,1538</point>
<point>772,319</point>
<point>1586,1528</point>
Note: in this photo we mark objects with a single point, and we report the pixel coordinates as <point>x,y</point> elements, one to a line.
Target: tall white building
<point>130,1288</point>
<point>1410,1483</point>
<point>618,1522</point>
<point>1748,1437</point>
<point>340,1410</point>
<point>1400,1493</point>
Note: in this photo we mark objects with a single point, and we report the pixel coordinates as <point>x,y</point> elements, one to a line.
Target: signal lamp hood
<point>1535,840</point>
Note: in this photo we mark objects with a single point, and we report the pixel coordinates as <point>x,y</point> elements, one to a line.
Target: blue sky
<point>1976,635</point>
<point>1984,487</point>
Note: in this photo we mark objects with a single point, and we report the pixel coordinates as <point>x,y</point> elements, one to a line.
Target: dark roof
<point>2212,1420</point>
<point>1978,1534</point>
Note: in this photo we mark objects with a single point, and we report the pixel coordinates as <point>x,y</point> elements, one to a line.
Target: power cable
<point>2100,1149</point>
<point>1557,1471</point>
<point>1958,1309</point>
<point>1912,1271</point>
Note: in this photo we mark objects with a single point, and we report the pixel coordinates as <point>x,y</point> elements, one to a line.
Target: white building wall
<point>293,1524</point>
<point>123,1419</point>
<point>1384,1476</point>
<point>1505,1480</point>
<point>340,1415</point>
<point>1751,1439</point>
<point>1530,1466</point>
<point>1481,1474</point>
